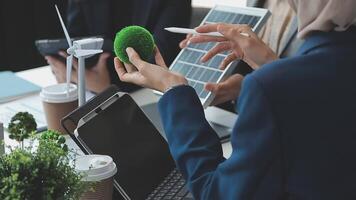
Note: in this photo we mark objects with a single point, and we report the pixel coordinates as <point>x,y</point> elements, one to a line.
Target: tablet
<point>120,129</point>
<point>188,64</point>
<point>51,47</point>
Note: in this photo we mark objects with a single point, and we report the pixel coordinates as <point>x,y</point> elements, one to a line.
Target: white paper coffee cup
<point>58,100</point>
<point>99,169</point>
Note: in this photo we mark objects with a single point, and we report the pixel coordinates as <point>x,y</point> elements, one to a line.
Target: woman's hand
<point>97,77</point>
<point>249,48</point>
<point>184,43</point>
<point>227,90</point>
<point>156,77</point>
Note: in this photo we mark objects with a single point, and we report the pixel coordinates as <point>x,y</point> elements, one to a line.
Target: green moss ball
<point>136,37</point>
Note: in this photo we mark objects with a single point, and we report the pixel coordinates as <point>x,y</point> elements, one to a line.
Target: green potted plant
<point>21,126</point>
<point>43,170</point>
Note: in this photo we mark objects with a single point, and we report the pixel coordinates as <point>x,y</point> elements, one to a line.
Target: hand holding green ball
<point>158,77</point>
<point>136,37</point>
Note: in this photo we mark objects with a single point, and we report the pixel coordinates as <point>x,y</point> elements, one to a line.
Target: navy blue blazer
<point>295,137</point>
<point>106,17</point>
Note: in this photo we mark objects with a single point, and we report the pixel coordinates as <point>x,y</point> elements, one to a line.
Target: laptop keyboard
<point>173,187</point>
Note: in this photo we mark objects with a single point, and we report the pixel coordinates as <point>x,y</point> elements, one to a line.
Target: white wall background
<point>211,3</point>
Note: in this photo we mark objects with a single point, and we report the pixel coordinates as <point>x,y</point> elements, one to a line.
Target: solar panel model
<point>188,62</point>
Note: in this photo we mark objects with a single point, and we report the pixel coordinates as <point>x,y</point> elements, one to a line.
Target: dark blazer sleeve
<point>174,13</point>
<point>197,150</point>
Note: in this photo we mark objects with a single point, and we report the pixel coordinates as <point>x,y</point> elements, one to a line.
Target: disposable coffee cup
<point>100,170</point>
<point>58,100</point>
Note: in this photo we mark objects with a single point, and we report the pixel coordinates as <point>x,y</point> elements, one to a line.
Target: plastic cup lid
<point>95,167</point>
<point>59,93</point>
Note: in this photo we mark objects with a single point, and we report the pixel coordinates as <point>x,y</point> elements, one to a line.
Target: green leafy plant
<point>21,126</point>
<point>56,138</point>
<point>43,172</point>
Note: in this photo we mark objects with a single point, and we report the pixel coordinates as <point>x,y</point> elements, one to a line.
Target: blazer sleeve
<point>174,13</point>
<point>197,150</point>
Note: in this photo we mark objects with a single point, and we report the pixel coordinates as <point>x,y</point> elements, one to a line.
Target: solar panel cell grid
<point>206,75</point>
<point>203,94</point>
<point>215,77</point>
<point>188,62</point>
<point>199,87</point>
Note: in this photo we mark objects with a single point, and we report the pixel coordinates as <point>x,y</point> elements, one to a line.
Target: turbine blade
<point>63,27</point>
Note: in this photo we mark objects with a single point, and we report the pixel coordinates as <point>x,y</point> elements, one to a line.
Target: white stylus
<point>194,32</point>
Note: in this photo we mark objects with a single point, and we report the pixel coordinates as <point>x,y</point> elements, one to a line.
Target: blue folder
<point>13,87</point>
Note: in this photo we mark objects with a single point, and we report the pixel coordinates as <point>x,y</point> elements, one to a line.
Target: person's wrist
<point>173,80</point>
<point>100,87</point>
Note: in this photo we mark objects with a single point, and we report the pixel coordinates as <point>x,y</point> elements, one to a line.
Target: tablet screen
<point>141,154</point>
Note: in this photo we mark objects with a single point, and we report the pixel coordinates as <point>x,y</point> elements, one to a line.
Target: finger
<point>159,59</point>
<point>229,59</point>
<point>220,47</point>
<point>122,73</point>
<point>56,74</point>
<point>48,59</point>
<point>216,90</point>
<point>232,32</point>
<point>75,63</point>
<point>219,90</point>
<point>183,43</point>
<point>102,62</point>
<point>241,34</point>
<point>135,58</point>
<point>212,87</point>
<point>56,63</point>
<point>54,70</point>
<point>207,28</point>
<point>205,38</point>
<point>245,28</point>
<point>129,78</point>
<point>130,68</point>
<point>74,76</point>
<point>219,100</point>
<point>226,90</point>
<point>63,54</point>
<point>119,67</point>
<point>74,60</point>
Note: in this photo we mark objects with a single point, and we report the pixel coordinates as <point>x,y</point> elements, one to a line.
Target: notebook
<point>13,87</point>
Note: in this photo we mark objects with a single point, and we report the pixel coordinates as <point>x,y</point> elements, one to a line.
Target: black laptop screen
<point>123,132</point>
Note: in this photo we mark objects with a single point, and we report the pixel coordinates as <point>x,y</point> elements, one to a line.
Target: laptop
<point>119,128</point>
<point>212,113</point>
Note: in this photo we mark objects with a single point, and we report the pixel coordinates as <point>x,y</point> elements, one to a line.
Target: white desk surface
<point>43,77</point>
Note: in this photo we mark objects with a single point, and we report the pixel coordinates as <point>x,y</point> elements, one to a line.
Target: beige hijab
<point>276,32</point>
<point>324,15</point>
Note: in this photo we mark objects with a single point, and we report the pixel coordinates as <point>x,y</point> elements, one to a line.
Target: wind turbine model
<point>81,49</point>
